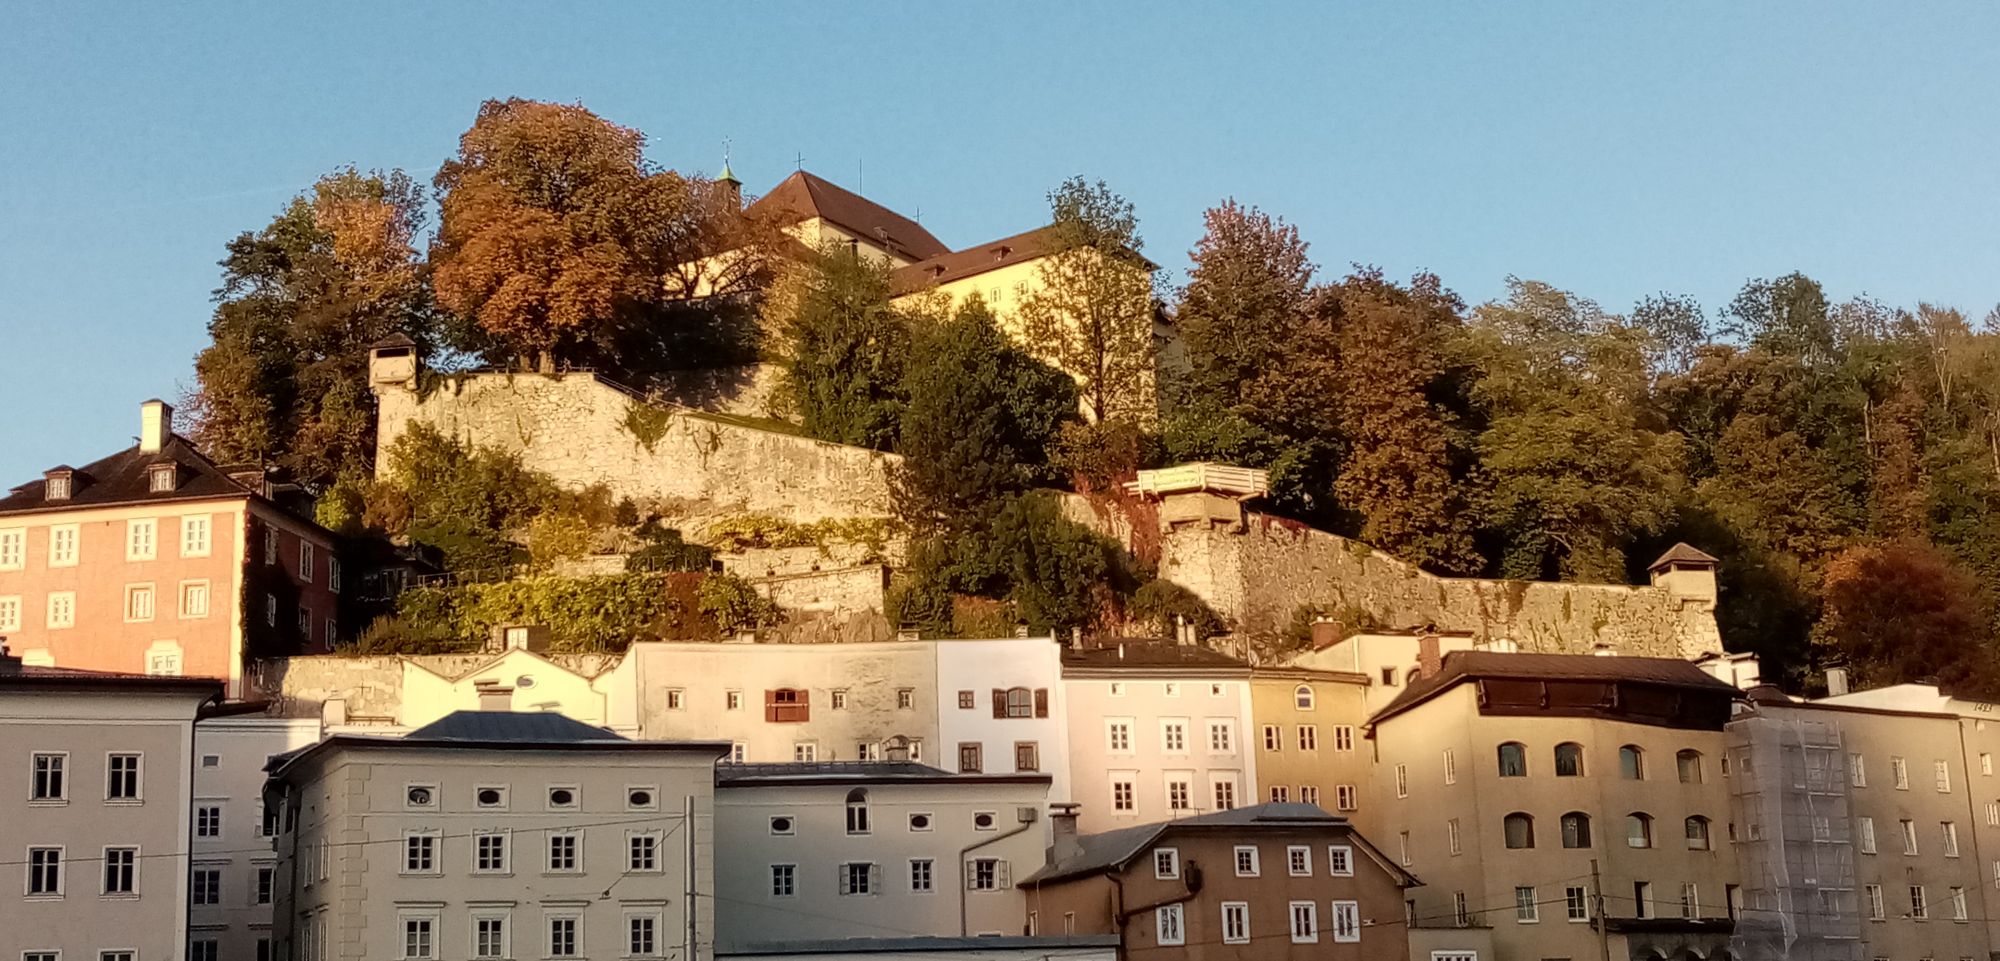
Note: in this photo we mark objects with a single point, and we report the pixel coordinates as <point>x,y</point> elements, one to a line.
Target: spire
<point>727,174</point>
<point>726,184</point>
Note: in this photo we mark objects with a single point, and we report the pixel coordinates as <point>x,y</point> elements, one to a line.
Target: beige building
<point>1524,788</point>
<point>1269,881</point>
<point>97,770</point>
<point>492,834</point>
<point>881,852</point>
<point>234,872</point>
<point>1308,737</point>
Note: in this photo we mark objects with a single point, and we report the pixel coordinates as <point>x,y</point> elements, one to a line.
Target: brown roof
<point>1462,666</point>
<point>14,674</point>
<point>122,479</point>
<point>972,261</point>
<point>1683,553</point>
<point>1150,655</point>
<point>803,196</point>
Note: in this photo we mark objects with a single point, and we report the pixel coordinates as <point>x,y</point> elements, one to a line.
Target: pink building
<point>154,560</point>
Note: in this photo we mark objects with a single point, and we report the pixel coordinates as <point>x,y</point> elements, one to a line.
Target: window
<point>1453,842</point>
<point>306,561</point>
<point>1920,907</point>
<point>1246,860</point>
<point>1513,760</point>
<point>1941,774</point>
<point>1344,796</point>
<point>1461,914</point>
<point>867,751</point>
<point>837,699</point>
<point>1993,814</point>
<point>138,602</point>
<point>194,536</point>
<point>1402,781</point>
<point>857,878</point>
<point>1171,688</point>
<point>562,937</point>
<point>10,613</point>
<point>206,886</point>
<point>1309,794</point>
<point>968,758</point>
<point>1450,767</point>
<point>921,876</point>
<point>420,795</point>
<point>1958,904</point>
<point>1302,697</point>
<point>1179,793</point>
<point>1631,763</point>
<point>133,955</point>
<point>1909,837</point>
<point>1118,735</point>
<point>162,478</point>
<point>563,851</point>
<point>1525,909</point>
<point>1688,765</point>
<point>1389,677</point>
<point>121,870</point>
<point>562,797</point>
<point>490,797</point>
<point>1638,830</point>
<point>1347,921</point>
<point>1280,794</point>
<point>1299,861</point>
<point>1340,861</point>
<point>1308,737</point>
<point>805,751</point>
<point>1949,832</point>
<point>1403,847</point>
<point>142,539</point>
<point>784,880</point>
<point>966,700</point>
<point>62,545</point>
<point>1877,910</point>
<point>1015,702</point>
<point>906,699</point>
<point>1121,794</point>
<point>306,623</point>
<point>732,700</point>
<point>1899,773</point>
<point>1223,790</point>
<point>13,549</point>
<point>489,937</point>
<point>333,574</point>
<point>1235,922</point>
<point>489,852</point>
<point>1173,737</point>
<point>62,610</point>
<point>267,878</point>
<point>1520,830</point>
<point>202,949</point>
<point>194,599</point>
<point>642,936</point>
<point>1027,756</point>
<point>419,937</point>
<point>782,825</point>
<point>121,777</point>
<point>1569,759</point>
<point>1167,925</point>
<point>1642,899</point>
<point>987,874</point>
<point>208,821</point>
<point>787,706</point>
<point>1576,830</point>
<point>1343,737</point>
<point>1305,922</point>
<point>1691,901</point>
<point>857,811</point>
<point>1576,903</point>
<point>1857,770</point>
<point>1865,834</point>
<point>48,782</point>
<point>984,821</point>
<point>642,852</point>
<point>270,610</point>
<point>1221,737</point>
<point>1273,739</point>
<point>677,699</point>
<point>1166,863</point>
<point>1697,833</point>
<point>1117,688</point>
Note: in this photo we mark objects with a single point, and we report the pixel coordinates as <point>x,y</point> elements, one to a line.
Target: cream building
<point>1307,737</point>
<point>97,770</point>
<point>1158,730</point>
<point>493,834</point>
<point>1522,787</point>
<point>234,872</point>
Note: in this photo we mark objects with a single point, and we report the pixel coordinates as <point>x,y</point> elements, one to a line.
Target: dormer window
<point>163,478</point>
<point>1001,252</point>
<point>60,484</point>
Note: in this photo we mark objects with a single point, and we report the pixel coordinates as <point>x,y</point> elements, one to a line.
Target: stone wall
<point>1258,575</point>
<point>373,685</point>
<point>700,466</point>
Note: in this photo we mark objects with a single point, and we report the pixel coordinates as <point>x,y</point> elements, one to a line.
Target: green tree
<point>1092,312</point>
<point>843,346</point>
<point>283,380</point>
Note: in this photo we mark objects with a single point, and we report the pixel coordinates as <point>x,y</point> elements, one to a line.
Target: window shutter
<point>874,879</point>
<point>770,706</point>
<point>1041,702</point>
<point>971,874</point>
<point>1003,875</point>
<point>844,876</point>
<point>999,703</point>
<point>805,704</point>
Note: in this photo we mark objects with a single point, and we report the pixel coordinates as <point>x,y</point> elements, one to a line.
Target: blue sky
<point>1612,149</point>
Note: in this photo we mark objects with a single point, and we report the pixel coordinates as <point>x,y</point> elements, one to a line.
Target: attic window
<point>1001,252</point>
<point>162,478</point>
<point>937,270</point>
<point>58,486</point>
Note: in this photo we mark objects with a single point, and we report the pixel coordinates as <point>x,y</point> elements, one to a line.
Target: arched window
<point>1520,830</point>
<point>1569,759</point>
<point>1020,702</point>
<point>1697,833</point>
<point>1302,697</point>
<point>1513,760</point>
<point>1689,765</point>
<point>857,811</point>
<point>1576,830</point>
<point>1638,830</point>
<point>1632,763</point>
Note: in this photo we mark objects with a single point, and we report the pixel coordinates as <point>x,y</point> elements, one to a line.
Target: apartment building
<point>1001,709</point>
<point>154,560</point>
<point>1157,730</point>
<point>1267,881</point>
<point>492,834</point>
<point>98,771</point>
<point>1520,786</point>
<point>1308,737</point>
<point>876,852</point>
<point>234,868</point>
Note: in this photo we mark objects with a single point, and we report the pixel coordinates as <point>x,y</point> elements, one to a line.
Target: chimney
<point>1836,681</point>
<point>333,712</point>
<point>1326,632</point>
<point>156,425</point>
<point>9,664</point>
<point>1062,821</point>
<point>493,696</point>
<point>1429,661</point>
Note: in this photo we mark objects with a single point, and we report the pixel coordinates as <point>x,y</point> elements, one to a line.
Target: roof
<point>1112,850</point>
<point>14,675</point>
<point>122,478</point>
<point>1460,666</point>
<point>1148,654</point>
<point>511,726</point>
<point>856,772</point>
<point>803,196</point>
<point>926,944</point>
<point>945,267</point>
<point>1683,553</point>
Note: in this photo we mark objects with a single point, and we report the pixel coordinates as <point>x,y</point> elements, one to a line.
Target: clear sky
<point>1615,149</point>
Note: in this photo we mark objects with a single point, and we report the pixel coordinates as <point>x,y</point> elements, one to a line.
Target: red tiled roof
<point>803,196</point>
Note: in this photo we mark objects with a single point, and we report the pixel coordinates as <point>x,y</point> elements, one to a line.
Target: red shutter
<point>770,706</point>
<point>805,705</point>
<point>999,703</point>
<point>1041,702</point>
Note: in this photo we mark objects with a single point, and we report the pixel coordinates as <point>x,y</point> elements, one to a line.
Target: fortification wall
<point>583,431</point>
<point>1260,575</point>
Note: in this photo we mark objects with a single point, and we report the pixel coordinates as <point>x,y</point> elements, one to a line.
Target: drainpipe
<point>1190,886</point>
<point>963,930</point>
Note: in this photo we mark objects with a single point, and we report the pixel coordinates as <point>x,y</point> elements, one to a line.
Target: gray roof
<point>1113,849</point>
<point>923,943</point>
<point>511,726</point>
<point>1684,553</point>
<point>1460,666</point>
<point>857,772</point>
<point>1149,654</point>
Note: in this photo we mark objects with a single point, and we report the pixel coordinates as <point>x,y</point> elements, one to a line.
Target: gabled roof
<point>1112,850</point>
<point>1151,655</point>
<point>1462,666</point>
<point>511,726</point>
<point>1683,553</point>
<point>855,772</point>
<point>981,258</point>
<point>495,731</point>
<point>122,478</point>
<point>803,196</point>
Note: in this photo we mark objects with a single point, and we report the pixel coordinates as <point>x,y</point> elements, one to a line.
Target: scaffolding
<point>1789,797</point>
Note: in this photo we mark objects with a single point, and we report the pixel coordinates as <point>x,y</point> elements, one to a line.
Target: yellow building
<point>1306,725</point>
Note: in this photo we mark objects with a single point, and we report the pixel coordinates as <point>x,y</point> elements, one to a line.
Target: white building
<point>1001,709</point>
<point>96,770</point>
<point>232,884</point>
<point>491,834</point>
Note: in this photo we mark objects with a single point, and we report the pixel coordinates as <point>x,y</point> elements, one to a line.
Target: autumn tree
<point>283,380</point>
<point>1091,313</point>
<point>560,242</point>
<point>843,347</point>
<point>1903,611</point>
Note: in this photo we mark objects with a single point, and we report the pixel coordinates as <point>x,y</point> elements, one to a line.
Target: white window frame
<point>197,535</point>
<point>506,935</point>
<point>13,549</point>
<point>1118,735</point>
<point>1240,921</point>
<point>1166,864</point>
<point>1299,860</point>
<point>1339,861</point>
<point>141,603</point>
<point>194,588</point>
<point>1221,736</point>
<point>10,613</point>
<point>575,837</point>
<point>65,535</point>
<point>506,851</point>
<point>1346,919</point>
<point>1169,925</point>
<point>142,539</point>
<point>62,771</point>
<point>61,610</point>
<point>305,560</point>
<point>1307,911</point>
<point>131,889</point>
<point>404,920</point>
<point>1255,868</point>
